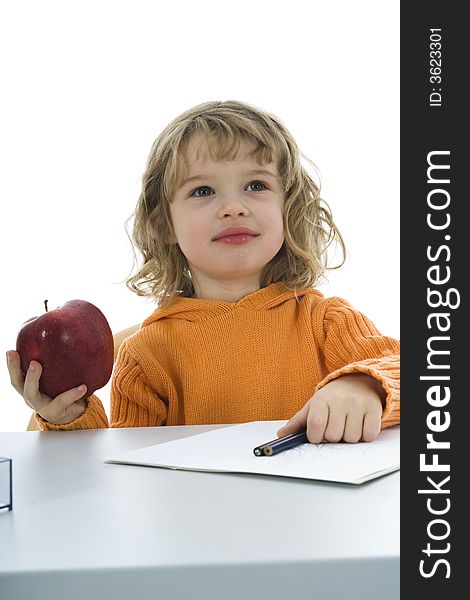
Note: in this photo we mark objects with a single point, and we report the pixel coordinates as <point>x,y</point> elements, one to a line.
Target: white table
<point>81,528</point>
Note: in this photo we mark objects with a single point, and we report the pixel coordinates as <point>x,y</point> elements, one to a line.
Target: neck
<point>224,291</point>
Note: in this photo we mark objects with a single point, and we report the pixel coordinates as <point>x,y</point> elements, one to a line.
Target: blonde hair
<point>308,223</point>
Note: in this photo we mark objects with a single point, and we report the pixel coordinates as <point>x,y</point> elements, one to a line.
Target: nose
<point>232,208</point>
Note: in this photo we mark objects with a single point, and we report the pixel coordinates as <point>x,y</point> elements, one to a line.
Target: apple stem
<point>45,304</point>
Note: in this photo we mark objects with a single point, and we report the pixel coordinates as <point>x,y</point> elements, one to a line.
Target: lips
<point>234,232</point>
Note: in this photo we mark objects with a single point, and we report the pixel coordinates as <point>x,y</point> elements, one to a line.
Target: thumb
<point>59,408</point>
<point>296,424</point>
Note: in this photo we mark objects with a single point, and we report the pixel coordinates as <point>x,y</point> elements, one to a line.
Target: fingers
<point>315,418</point>
<point>334,415</point>
<point>297,423</point>
<point>317,421</point>
<point>353,428</point>
<point>371,426</point>
<point>15,371</point>
<point>26,386</point>
<point>64,408</point>
<point>31,393</point>
<point>335,426</point>
<point>62,402</point>
<point>326,423</point>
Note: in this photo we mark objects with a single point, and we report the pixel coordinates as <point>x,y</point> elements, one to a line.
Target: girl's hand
<point>65,408</point>
<point>348,408</point>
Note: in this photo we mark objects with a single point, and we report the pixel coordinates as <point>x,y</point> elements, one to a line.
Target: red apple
<point>74,345</point>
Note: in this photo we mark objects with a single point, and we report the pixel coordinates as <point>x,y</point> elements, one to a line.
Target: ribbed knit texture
<point>262,358</point>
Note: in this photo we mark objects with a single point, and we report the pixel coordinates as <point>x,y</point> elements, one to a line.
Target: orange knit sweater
<point>261,358</point>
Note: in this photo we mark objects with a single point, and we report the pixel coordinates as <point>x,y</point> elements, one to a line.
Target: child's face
<point>227,218</point>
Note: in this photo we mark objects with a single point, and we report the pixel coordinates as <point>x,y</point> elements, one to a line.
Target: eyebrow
<point>263,172</point>
<point>250,172</point>
<point>194,178</point>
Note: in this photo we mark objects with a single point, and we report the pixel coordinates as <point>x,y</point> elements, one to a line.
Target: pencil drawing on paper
<point>310,452</point>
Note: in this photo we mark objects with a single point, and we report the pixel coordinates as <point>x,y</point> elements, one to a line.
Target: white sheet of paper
<point>230,450</point>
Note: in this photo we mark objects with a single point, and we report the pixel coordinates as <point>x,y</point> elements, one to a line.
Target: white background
<point>88,85</point>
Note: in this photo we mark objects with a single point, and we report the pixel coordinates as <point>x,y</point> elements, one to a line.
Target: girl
<point>233,236</point>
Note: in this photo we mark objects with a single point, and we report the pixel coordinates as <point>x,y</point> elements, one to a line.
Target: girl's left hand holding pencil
<point>347,409</point>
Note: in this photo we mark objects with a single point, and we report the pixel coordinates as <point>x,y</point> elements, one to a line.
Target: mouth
<point>236,235</point>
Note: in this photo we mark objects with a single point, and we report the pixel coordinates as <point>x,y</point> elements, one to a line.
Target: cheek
<point>191,232</point>
<point>276,225</point>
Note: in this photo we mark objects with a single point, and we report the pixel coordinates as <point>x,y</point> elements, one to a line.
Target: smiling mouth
<point>235,232</point>
<point>236,235</point>
<point>237,238</point>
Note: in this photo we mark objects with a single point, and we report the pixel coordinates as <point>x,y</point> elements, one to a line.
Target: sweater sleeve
<point>134,401</point>
<point>352,344</point>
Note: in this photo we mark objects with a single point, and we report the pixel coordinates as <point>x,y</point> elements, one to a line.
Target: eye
<point>256,186</point>
<point>202,192</point>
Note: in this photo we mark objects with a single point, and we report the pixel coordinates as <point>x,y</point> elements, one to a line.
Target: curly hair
<point>309,229</point>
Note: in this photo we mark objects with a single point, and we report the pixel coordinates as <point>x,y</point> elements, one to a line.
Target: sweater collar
<point>198,309</point>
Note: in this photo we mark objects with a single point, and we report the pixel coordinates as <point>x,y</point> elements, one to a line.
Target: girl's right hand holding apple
<point>62,409</point>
